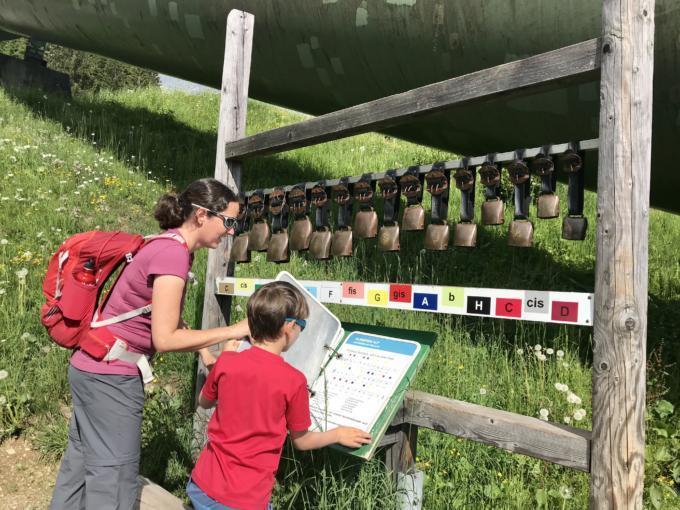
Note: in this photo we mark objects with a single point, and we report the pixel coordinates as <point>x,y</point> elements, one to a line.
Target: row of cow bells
<point>264,220</point>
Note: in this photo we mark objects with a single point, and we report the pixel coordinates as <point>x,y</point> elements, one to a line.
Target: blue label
<point>425,301</point>
<point>312,291</point>
<point>381,344</point>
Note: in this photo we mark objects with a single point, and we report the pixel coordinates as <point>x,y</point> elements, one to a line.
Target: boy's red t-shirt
<point>259,398</point>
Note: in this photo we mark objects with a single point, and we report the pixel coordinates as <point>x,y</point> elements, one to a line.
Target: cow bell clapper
<point>320,241</point>
<point>437,233</point>
<point>259,228</point>
<point>547,202</point>
<point>239,248</point>
<point>277,250</point>
<point>301,231</point>
<point>341,246</point>
<point>575,225</point>
<point>465,234</point>
<point>521,232</point>
<point>388,236</point>
<point>493,208</point>
<point>411,184</point>
<point>366,219</point>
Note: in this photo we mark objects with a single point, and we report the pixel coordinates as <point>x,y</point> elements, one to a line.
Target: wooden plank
<point>578,62</point>
<point>400,456</point>
<point>620,327</point>
<point>231,126</point>
<point>516,433</point>
<point>155,497</point>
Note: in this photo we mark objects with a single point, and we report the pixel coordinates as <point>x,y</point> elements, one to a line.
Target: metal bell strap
<point>341,246</point>
<point>547,202</point>
<point>239,248</point>
<point>437,233</point>
<point>259,228</point>
<point>521,232</point>
<point>366,219</point>
<point>575,225</point>
<point>277,251</point>
<point>388,237</point>
<point>465,234</point>
<point>411,184</point>
<point>493,208</point>
<point>301,232</point>
<point>320,241</point>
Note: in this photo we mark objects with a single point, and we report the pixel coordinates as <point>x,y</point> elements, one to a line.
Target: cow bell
<point>574,228</point>
<point>414,218</point>
<point>465,235</point>
<point>548,206</point>
<point>437,237</point>
<point>493,212</point>
<point>301,234</point>
<point>277,250</point>
<point>320,244</point>
<point>366,224</point>
<point>239,249</point>
<point>341,246</point>
<point>521,233</point>
<point>388,238</point>
<point>259,236</point>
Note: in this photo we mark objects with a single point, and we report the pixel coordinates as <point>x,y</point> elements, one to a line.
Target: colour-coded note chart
<point>529,305</point>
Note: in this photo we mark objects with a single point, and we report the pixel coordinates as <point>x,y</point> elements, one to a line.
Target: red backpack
<point>70,312</point>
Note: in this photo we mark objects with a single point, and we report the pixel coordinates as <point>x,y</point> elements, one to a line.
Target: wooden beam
<point>620,322</point>
<point>155,497</point>
<point>231,126</point>
<point>516,433</point>
<point>578,62</point>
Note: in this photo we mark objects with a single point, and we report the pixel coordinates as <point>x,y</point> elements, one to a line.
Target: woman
<point>100,466</point>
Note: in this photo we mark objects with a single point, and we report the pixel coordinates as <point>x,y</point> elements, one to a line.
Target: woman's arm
<point>165,333</point>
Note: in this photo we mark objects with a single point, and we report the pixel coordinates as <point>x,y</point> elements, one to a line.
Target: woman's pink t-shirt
<point>133,290</point>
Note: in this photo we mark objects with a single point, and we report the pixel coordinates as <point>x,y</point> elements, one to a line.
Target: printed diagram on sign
<point>359,381</point>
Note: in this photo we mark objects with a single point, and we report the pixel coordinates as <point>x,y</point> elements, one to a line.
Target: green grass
<point>102,161</point>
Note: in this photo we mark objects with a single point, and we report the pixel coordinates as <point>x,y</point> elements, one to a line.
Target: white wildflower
<point>540,356</point>
<point>520,351</point>
<point>2,292</point>
<point>543,414</point>
<point>3,374</point>
<point>482,391</point>
<point>567,420</point>
<point>21,273</point>
<point>560,354</point>
<point>565,492</point>
<point>549,351</point>
<point>537,347</point>
<point>3,242</point>
<point>561,387</point>
<point>579,414</point>
<point>572,398</point>
<point>3,400</point>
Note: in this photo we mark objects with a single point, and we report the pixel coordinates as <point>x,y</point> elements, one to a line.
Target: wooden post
<point>620,323</point>
<point>231,126</point>
<point>400,457</point>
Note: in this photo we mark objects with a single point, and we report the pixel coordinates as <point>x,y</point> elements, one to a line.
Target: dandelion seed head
<point>572,398</point>
<point>549,351</point>
<point>520,351</point>
<point>567,420</point>
<point>3,400</point>
<point>482,391</point>
<point>3,374</point>
<point>544,413</point>
<point>560,354</point>
<point>537,347</point>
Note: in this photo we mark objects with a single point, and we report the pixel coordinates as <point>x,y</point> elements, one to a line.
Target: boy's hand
<point>207,358</point>
<point>352,437</point>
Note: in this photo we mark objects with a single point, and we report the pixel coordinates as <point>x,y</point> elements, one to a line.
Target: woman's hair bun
<point>169,212</point>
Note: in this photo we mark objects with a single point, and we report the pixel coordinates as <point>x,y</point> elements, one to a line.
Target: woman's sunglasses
<point>229,222</point>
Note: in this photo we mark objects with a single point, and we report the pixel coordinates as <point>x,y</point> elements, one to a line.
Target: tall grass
<point>102,161</point>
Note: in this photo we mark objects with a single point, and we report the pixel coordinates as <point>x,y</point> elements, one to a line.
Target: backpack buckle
<point>128,257</point>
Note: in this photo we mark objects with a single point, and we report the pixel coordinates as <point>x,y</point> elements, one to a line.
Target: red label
<point>400,293</point>
<point>353,290</point>
<point>564,311</point>
<point>506,307</point>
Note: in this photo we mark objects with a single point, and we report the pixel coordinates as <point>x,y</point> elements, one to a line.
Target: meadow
<point>101,161</point>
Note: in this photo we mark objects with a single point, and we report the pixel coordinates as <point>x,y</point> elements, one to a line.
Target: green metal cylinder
<point>321,55</point>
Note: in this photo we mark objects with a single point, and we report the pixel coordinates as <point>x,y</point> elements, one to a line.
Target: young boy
<point>259,397</point>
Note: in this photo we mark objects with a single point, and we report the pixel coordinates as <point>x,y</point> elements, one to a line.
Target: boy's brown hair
<point>269,306</point>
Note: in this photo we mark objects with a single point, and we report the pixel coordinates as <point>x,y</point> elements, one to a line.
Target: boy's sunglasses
<point>300,322</point>
<point>230,223</point>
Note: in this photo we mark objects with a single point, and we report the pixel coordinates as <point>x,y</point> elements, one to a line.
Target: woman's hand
<point>240,330</point>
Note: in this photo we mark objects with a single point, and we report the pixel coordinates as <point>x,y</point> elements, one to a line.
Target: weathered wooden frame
<point>613,452</point>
